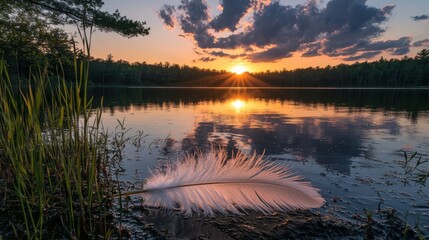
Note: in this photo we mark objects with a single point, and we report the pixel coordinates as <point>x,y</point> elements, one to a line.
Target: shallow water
<point>346,142</point>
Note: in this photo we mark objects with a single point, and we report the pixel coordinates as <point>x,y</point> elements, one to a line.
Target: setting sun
<point>239,69</point>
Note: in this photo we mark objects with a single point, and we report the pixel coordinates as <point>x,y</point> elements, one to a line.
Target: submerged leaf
<point>209,183</point>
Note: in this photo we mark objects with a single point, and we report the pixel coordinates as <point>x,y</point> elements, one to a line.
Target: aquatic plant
<point>211,182</point>
<point>414,169</point>
<point>53,156</point>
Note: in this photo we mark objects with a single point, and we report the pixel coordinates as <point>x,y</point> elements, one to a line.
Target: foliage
<point>383,73</point>
<point>31,37</point>
<point>110,72</point>
<point>29,41</point>
<point>423,55</point>
<point>414,169</point>
<point>89,13</point>
<point>54,166</point>
<point>53,158</point>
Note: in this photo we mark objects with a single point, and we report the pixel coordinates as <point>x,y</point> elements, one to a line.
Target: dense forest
<point>405,72</point>
<point>109,72</point>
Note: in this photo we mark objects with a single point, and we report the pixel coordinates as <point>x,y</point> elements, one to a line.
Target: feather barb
<point>211,182</point>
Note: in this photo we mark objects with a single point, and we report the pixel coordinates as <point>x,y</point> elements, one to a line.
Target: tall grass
<point>53,157</point>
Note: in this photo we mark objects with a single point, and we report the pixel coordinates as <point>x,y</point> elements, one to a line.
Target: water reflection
<point>299,125</point>
<point>238,104</point>
<point>178,227</point>
<point>359,135</point>
<point>331,144</point>
<point>393,100</point>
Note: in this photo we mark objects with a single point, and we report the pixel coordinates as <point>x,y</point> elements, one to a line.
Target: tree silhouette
<point>89,13</point>
<point>31,39</point>
<point>423,54</point>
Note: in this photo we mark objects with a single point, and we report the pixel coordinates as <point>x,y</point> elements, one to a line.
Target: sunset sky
<point>268,35</point>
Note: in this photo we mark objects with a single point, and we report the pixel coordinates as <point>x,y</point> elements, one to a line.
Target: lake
<point>347,142</point>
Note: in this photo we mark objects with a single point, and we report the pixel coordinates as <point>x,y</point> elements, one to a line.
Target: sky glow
<point>269,35</point>
<point>239,69</point>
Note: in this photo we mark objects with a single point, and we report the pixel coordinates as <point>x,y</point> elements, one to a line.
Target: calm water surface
<point>347,142</point>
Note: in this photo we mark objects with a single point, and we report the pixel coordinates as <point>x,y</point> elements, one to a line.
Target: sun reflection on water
<point>238,104</point>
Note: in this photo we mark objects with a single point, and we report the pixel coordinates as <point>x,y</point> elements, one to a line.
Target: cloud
<point>194,17</point>
<point>400,46</point>
<point>274,24</point>
<point>312,50</point>
<point>219,54</point>
<point>233,11</point>
<point>348,29</point>
<point>224,54</point>
<point>388,9</point>
<point>422,43</point>
<point>365,55</point>
<point>420,18</point>
<point>206,59</point>
<point>167,15</point>
<point>271,54</point>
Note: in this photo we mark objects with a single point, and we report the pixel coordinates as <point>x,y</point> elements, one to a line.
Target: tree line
<point>405,72</point>
<point>121,72</point>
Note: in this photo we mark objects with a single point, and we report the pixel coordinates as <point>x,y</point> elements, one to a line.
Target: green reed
<point>414,169</point>
<point>53,156</point>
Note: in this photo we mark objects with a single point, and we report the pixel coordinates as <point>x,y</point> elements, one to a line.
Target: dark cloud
<point>194,16</point>
<point>167,15</point>
<point>219,54</point>
<point>233,11</point>
<point>234,56</point>
<point>401,43</point>
<point>271,54</point>
<point>312,50</point>
<point>422,43</point>
<point>421,17</point>
<point>388,9</point>
<point>206,59</point>
<point>349,15</point>
<point>274,24</point>
<point>344,28</point>
<point>362,56</point>
<point>395,47</point>
<point>224,54</point>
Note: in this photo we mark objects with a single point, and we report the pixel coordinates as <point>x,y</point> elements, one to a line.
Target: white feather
<point>209,183</point>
